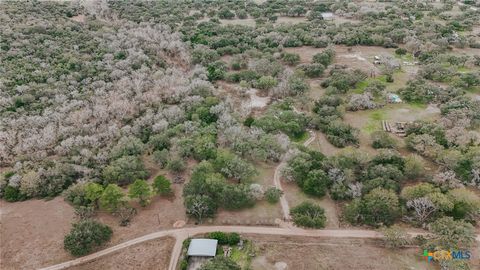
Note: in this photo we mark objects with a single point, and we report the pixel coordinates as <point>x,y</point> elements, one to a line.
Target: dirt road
<point>184,233</point>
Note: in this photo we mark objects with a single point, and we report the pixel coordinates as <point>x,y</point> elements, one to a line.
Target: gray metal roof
<point>203,247</point>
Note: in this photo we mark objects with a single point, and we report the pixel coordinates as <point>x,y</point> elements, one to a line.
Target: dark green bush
<point>86,236</point>
<point>308,215</point>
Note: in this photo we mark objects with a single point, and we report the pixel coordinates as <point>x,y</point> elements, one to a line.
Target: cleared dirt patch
<point>161,214</point>
<point>323,145</point>
<point>154,254</point>
<point>303,253</point>
<point>245,22</point>
<point>31,233</point>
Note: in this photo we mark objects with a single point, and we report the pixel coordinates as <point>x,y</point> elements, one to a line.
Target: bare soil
<point>303,253</point>
<point>263,213</point>
<point>154,254</point>
<point>323,145</point>
<point>31,233</point>
<point>161,214</point>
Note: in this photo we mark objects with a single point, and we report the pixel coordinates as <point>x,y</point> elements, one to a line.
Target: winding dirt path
<point>184,233</point>
<point>278,184</point>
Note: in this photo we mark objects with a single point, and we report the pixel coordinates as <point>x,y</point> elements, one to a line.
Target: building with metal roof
<point>202,248</point>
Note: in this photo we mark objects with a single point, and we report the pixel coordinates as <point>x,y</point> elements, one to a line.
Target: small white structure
<point>202,248</point>
<point>393,98</point>
<point>328,16</point>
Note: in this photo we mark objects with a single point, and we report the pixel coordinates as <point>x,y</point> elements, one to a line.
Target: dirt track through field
<point>287,229</point>
<point>184,233</point>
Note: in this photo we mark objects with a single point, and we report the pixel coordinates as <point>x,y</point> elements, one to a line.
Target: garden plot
<point>32,233</point>
<point>244,22</point>
<point>370,120</point>
<point>244,100</point>
<point>161,213</point>
<point>295,196</point>
<point>360,57</point>
<point>290,20</point>
<point>282,252</point>
<point>262,212</point>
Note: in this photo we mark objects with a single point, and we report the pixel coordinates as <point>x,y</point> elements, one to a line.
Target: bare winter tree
<point>355,189</point>
<point>423,208</point>
<point>475,178</point>
<point>447,179</point>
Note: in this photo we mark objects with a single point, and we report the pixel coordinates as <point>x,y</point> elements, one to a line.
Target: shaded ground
<point>263,213</point>
<point>323,145</point>
<point>32,233</point>
<point>303,253</point>
<point>154,254</point>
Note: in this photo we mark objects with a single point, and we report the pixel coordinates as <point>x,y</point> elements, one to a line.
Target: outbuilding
<point>328,16</point>
<point>202,248</point>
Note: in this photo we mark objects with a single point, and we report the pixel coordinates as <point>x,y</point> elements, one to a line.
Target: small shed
<point>202,248</point>
<point>328,16</point>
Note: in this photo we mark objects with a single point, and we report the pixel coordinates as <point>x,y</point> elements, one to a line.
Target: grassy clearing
<point>374,121</point>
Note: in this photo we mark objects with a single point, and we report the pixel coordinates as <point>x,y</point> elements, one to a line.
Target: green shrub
<point>381,139</point>
<point>12,194</point>
<point>86,236</point>
<point>313,70</point>
<point>308,215</point>
<point>266,82</point>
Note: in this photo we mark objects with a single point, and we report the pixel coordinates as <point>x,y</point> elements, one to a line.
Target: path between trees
<point>278,184</point>
<point>184,233</point>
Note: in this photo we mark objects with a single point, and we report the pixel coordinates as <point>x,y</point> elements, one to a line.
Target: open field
<point>280,252</point>
<point>360,57</point>
<point>296,196</point>
<point>154,254</point>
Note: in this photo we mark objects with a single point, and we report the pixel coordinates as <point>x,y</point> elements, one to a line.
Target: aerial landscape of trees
<point>115,105</point>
